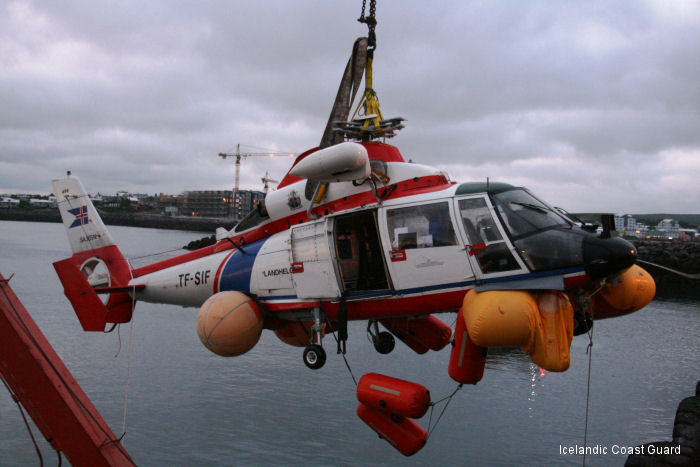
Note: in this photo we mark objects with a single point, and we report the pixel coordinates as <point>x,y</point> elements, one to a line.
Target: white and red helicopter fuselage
<point>365,236</point>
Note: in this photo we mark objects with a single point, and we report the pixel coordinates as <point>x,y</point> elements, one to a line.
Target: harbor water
<point>186,406</point>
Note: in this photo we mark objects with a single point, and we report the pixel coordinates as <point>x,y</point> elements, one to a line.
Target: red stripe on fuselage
<point>170,262</point>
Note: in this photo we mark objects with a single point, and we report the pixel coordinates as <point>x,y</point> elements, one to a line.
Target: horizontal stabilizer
<point>91,312</point>
<point>129,288</point>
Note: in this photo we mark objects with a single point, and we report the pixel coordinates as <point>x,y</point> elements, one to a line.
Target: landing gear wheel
<point>314,356</point>
<point>384,342</point>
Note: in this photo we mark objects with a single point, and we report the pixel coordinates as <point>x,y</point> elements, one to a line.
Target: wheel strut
<point>383,341</point>
<point>314,356</point>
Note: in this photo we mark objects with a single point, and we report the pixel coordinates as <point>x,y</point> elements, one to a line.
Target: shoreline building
<point>220,203</point>
<point>628,226</point>
<point>669,228</point>
<point>206,203</point>
<point>244,202</point>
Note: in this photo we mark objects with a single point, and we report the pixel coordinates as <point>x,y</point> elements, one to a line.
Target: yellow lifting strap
<point>369,100</point>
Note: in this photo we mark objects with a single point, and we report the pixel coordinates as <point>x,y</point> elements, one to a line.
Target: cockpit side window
<point>478,221</point>
<point>486,242</point>
<point>254,217</point>
<point>422,226</point>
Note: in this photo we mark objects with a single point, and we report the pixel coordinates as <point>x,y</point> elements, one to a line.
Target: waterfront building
<point>43,203</point>
<point>244,202</point>
<point>669,228</point>
<point>620,222</point>
<point>207,203</point>
<point>7,202</point>
<point>171,211</point>
<point>170,205</point>
<point>627,225</point>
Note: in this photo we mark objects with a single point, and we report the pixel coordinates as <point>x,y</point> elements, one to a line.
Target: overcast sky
<point>595,106</point>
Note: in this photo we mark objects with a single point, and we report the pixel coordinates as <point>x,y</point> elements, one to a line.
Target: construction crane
<point>266,179</point>
<point>242,155</point>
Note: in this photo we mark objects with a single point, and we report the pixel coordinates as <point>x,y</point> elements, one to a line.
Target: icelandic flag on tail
<point>81,216</point>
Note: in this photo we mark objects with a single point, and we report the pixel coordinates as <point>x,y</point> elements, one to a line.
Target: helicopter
<point>354,232</point>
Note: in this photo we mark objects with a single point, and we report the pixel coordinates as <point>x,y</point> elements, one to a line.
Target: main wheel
<point>314,356</point>
<point>384,343</point>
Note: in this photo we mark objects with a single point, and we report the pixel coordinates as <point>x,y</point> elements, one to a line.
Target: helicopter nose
<point>605,256</point>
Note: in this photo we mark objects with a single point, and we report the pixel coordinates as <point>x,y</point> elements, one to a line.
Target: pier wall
<point>154,221</point>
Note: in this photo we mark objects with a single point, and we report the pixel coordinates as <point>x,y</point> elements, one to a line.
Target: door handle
<point>475,248</point>
<point>397,255</point>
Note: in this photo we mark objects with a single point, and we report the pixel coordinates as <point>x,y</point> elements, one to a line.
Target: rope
<point>432,406</point>
<point>26,423</point>
<point>682,274</point>
<point>589,352</point>
<point>156,254</point>
<point>369,101</point>
<point>128,377</point>
<point>128,358</point>
<point>7,281</point>
<point>119,339</point>
<point>344,358</point>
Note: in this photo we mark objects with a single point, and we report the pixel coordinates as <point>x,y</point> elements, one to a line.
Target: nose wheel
<point>314,356</point>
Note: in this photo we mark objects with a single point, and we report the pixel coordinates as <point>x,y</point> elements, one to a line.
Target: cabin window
<point>486,242</point>
<point>422,226</point>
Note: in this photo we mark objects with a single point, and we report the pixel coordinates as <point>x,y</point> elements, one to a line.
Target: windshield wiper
<point>531,206</point>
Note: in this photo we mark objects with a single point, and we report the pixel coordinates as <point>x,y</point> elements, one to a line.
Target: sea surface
<point>187,406</point>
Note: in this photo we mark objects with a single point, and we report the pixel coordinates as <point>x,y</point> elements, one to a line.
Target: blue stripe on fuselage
<point>238,268</point>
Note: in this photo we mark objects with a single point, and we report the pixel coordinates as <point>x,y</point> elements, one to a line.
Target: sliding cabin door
<point>313,261</point>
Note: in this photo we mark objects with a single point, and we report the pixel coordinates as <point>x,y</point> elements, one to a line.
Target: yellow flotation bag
<point>540,323</point>
<point>629,292</point>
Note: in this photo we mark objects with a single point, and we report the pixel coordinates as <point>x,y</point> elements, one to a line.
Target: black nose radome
<point>605,256</point>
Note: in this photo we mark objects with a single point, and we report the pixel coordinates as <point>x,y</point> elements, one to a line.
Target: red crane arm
<point>40,381</point>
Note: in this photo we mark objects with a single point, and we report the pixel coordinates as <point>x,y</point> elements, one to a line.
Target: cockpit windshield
<point>524,215</point>
<point>543,238</point>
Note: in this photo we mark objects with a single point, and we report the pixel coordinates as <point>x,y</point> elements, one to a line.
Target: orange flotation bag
<point>393,395</point>
<point>467,360</point>
<point>634,289</point>
<point>420,334</point>
<point>540,323</point>
<point>405,435</point>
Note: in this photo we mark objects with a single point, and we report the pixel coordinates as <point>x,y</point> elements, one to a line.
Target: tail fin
<point>97,265</point>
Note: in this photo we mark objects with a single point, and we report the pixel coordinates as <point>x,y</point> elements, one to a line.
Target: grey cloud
<point>133,95</point>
